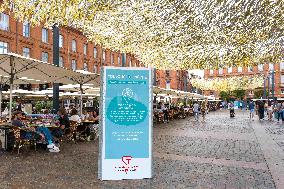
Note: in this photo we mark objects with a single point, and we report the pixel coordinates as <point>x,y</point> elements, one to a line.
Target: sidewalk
<point>223,152</point>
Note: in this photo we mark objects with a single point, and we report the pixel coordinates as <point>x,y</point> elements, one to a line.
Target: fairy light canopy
<point>230,83</point>
<point>171,34</point>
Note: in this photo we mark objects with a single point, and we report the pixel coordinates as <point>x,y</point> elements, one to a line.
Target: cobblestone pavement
<point>221,153</point>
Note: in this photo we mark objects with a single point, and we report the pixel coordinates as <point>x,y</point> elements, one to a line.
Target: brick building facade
<point>267,70</point>
<point>76,52</point>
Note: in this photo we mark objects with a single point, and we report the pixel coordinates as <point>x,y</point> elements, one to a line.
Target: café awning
<point>16,67</point>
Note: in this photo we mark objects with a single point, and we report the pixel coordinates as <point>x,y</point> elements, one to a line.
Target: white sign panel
<point>126,124</point>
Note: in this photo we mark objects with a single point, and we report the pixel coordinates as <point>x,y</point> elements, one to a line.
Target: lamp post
<point>272,78</point>
<point>55,62</point>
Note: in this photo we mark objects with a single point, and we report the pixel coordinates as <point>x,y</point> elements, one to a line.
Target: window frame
<point>61,63</point>
<point>61,41</point>
<point>85,66</point>
<point>44,55</point>
<point>271,65</point>
<point>104,55</point>
<point>72,65</point>
<point>281,79</point>
<point>118,60</point>
<point>85,49</point>
<point>26,52</point>
<point>112,59</point>
<point>44,35</point>
<point>4,46</point>
<point>4,23</point>
<point>240,69</point>
<point>26,29</point>
<point>230,70</point>
<point>250,69</point>
<point>74,45</point>
<point>95,51</point>
<point>262,67</point>
<point>95,68</point>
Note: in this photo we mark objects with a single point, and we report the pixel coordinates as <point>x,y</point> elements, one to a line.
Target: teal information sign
<point>126,103</point>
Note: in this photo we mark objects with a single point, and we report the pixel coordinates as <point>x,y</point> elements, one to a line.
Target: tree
<point>224,95</point>
<point>259,93</point>
<point>239,93</point>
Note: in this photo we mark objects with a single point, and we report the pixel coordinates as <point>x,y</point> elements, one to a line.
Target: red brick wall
<point>14,37</point>
<point>277,76</point>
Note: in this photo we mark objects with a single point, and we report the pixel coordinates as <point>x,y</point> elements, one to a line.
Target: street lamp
<point>270,75</point>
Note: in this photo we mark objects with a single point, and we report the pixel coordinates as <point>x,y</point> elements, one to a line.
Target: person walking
<point>203,110</point>
<point>279,111</point>
<point>261,110</point>
<point>196,111</point>
<point>270,111</point>
<point>251,109</point>
<point>166,113</point>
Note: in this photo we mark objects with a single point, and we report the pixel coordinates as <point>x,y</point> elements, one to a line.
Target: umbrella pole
<point>12,74</point>
<point>11,99</point>
<point>1,99</point>
<point>1,85</point>
<point>81,99</point>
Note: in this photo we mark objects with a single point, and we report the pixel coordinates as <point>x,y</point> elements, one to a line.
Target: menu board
<point>126,123</point>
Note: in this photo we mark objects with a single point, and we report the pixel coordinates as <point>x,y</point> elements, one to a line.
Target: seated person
<point>64,124</point>
<point>41,131</point>
<point>84,115</point>
<point>74,116</point>
<point>93,116</point>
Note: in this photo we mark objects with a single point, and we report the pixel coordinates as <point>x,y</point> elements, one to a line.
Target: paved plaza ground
<point>223,152</point>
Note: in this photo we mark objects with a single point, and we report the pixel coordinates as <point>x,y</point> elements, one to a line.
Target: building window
<point>230,70</point>
<point>220,71</point>
<point>240,69</point>
<point>95,69</point>
<point>61,63</point>
<point>95,52</point>
<point>44,35</point>
<point>271,66</point>
<point>74,45</point>
<point>112,59</point>
<point>281,65</point>
<point>282,91</point>
<point>168,84</point>
<point>130,63</point>
<point>118,60</point>
<point>26,52</point>
<point>104,55</point>
<point>26,29</point>
<point>4,22</point>
<point>85,66</point>
<point>260,67</point>
<point>250,69</point>
<point>282,79</point>
<point>85,49</point>
<point>61,41</point>
<point>74,65</point>
<point>44,56</point>
<point>211,72</point>
<point>167,73</point>
<point>3,47</point>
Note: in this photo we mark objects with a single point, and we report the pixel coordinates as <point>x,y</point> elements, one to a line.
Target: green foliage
<point>224,95</point>
<point>239,94</point>
<point>259,93</point>
<point>43,105</point>
<point>14,105</point>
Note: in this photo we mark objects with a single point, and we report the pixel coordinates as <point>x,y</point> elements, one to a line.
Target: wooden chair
<point>72,133</point>
<point>20,141</point>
